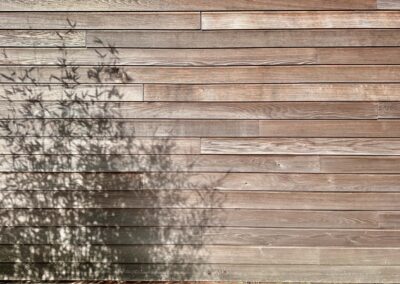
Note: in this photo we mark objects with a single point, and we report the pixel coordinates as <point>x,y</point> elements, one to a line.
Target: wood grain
<point>217,75</point>
<point>333,128</point>
<point>58,93</point>
<point>352,238</point>
<point>371,164</point>
<point>272,92</point>
<point>189,110</point>
<point>221,272</point>
<point>201,199</point>
<point>202,217</point>
<point>298,146</point>
<point>248,39</point>
<point>387,110</point>
<point>388,4</point>
<point>300,20</point>
<point>188,5</point>
<point>97,20</point>
<point>130,128</point>
<point>41,38</point>
<point>159,163</point>
<point>171,254</point>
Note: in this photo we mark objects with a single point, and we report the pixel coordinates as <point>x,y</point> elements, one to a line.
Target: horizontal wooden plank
<point>173,254</point>
<point>129,128</point>
<point>92,93</point>
<point>99,146</point>
<point>220,75</point>
<point>237,38</point>
<point>360,164</point>
<point>202,217</point>
<point>201,181</point>
<point>389,110</point>
<point>42,38</point>
<point>215,272</point>
<point>170,57</point>
<point>300,20</point>
<point>191,5</point>
<point>333,128</point>
<point>201,199</point>
<point>388,4</point>
<point>272,92</point>
<point>206,57</point>
<point>200,163</point>
<point>189,110</point>
<point>160,163</point>
<point>298,146</point>
<point>200,236</point>
<point>97,20</point>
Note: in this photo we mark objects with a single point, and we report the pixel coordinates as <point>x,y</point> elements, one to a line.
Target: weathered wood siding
<point>254,141</point>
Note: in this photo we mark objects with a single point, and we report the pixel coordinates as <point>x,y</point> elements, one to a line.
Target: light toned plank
<point>272,92</point>
<point>389,110</point>
<point>177,5</point>
<point>188,110</point>
<point>202,217</point>
<point>298,146</point>
<point>273,182</point>
<point>99,146</point>
<point>97,20</point>
<point>11,38</point>
<point>388,4</point>
<point>168,57</point>
<point>300,20</point>
<point>159,163</point>
<point>366,164</point>
<point>237,38</point>
<point>333,128</point>
<point>201,236</point>
<point>103,92</point>
<point>129,128</point>
<point>378,55</point>
<point>201,181</point>
<point>220,75</point>
<point>201,199</point>
<point>171,254</point>
<point>216,272</point>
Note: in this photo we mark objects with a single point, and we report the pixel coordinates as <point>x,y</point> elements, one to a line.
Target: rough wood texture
<point>300,20</point>
<point>187,5</point>
<point>200,140</point>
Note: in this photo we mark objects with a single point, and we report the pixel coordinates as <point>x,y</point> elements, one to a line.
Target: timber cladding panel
<point>199,140</point>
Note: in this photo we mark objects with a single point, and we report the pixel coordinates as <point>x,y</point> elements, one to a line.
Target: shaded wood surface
<point>240,140</point>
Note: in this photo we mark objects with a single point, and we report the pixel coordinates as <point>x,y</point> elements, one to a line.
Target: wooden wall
<point>257,140</point>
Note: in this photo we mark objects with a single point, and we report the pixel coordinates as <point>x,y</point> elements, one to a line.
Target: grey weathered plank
<point>99,146</point>
<point>298,146</point>
<point>333,128</point>
<point>172,57</point>
<point>129,128</point>
<point>387,110</point>
<point>201,181</point>
<point>220,75</point>
<point>42,38</point>
<point>202,217</point>
<point>201,236</point>
<point>272,92</point>
<point>98,20</point>
<point>195,110</point>
<point>221,272</point>
<point>360,164</point>
<point>59,93</point>
<point>187,254</point>
<point>177,5</point>
<point>300,20</point>
<point>388,4</point>
<point>237,38</point>
<point>160,163</point>
<point>201,199</point>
